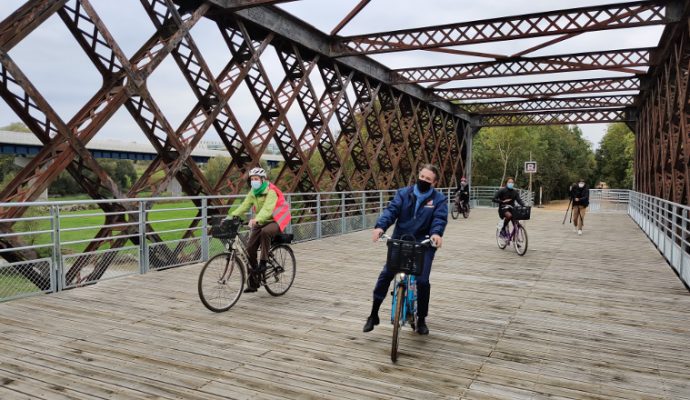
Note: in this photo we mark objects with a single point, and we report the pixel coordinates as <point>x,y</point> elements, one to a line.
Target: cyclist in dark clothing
<point>507,196</point>
<point>418,210</point>
<point>462,194</point>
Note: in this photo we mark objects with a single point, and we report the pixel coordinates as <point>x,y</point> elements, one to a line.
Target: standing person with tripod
<point>579,195</point>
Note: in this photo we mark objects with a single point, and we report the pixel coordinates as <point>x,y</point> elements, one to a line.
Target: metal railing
<point>609,200</point>
<point>667,225</point>
<point>61,238</point>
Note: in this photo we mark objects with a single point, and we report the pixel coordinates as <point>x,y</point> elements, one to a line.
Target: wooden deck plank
<point>590,317</point>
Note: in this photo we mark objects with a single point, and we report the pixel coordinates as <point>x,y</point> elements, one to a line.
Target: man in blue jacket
<point>417,210</point>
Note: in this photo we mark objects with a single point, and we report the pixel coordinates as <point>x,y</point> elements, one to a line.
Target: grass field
<point>83,225</point>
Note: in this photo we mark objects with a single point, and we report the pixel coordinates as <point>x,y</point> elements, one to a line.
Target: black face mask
<point>423,186</point>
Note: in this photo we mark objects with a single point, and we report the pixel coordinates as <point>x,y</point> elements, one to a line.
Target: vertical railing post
<point>343,214</point>
<point>57,282</point>
<point>143,246</point>
<point>364,210</point>
<point>380,202</point>
<point>204,230</point>
<point>318,215</point>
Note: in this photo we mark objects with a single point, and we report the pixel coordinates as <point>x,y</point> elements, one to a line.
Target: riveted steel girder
<point>539,105</point>
<point>559,22</point>
<point>541,89</point>
<point>557,117</point>
<point>614,60</point>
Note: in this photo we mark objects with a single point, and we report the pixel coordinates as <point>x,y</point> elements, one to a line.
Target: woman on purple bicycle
<point>506,197</point>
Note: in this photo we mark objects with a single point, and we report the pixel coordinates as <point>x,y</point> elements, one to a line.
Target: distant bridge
<point>28,145</point>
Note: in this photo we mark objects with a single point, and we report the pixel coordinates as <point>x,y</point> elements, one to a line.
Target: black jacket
<point>505,193</point>
<point>465,192</point>
<point>582,194</point>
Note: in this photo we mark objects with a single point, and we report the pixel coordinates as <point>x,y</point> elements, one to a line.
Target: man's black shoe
<point>371,322</point>
<point>250,289</point>
<point>422,329</point>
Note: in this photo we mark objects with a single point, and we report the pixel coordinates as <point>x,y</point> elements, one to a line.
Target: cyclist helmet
<point>258,172</point>
<point>463,179</point>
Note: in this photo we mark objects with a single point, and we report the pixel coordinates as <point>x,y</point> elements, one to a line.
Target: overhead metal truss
<point>575,103</point>
<point>561,22</point>
<point>615,60</point>
<point>541,89</point>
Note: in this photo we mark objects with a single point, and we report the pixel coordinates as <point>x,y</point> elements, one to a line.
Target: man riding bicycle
<point>417,210</point>
<point>506,197</point>
<point>271,216</point>
<point>462,194</point>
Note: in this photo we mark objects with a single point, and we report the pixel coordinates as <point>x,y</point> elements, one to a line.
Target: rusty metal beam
<point>557,118</point>
<point>541,89</point>
<point>614,60</point>
<point>241,4</point>
<point>541,105</point>
<point>358,8</point>
<point>585,19</point>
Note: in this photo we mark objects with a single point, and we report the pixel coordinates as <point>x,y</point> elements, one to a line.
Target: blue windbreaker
<point>431,218</point>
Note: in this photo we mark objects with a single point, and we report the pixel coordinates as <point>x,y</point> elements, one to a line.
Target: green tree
<point>16,127</point>
<point>215,168</point>
<point>561,153</point>
<point>615,157</point>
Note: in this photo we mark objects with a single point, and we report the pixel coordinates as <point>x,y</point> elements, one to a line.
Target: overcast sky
<point>65,76</point>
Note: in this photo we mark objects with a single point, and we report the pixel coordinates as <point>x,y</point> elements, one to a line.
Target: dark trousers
<point>423,285</point>
<point>260,236</point>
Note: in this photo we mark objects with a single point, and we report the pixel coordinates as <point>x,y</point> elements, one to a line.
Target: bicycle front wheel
<point>397,320</point>
<point>501,241</point>
<point>455,212</point>
<point>221,282</point>
<point>466,212</point>
<point>520,241</point>
<point>281,272</point>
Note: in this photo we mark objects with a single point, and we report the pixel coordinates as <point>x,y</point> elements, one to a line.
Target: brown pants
<point>579,216</point>
<point>260,236</point>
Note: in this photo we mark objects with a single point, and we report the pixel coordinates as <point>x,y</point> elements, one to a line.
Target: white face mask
<point>581,184</point>
<point>256,184</point>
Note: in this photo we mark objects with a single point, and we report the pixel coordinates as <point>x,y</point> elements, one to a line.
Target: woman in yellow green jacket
<point>271,215</point>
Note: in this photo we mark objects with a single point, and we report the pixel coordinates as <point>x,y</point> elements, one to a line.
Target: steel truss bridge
<point>370,125</point>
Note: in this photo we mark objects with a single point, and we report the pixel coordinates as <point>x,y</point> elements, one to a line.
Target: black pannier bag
<point>405,255</point>
<point>521,213</point>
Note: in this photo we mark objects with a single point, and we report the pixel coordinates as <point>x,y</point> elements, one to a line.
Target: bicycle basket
<point>521,213</point>
<point>405,256</point>
<point>227,229</point>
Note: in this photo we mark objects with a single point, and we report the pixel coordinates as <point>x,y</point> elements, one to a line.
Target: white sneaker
<point>579,232</point>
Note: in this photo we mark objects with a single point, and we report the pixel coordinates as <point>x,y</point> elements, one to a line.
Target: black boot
<point>373,319</point>
<point>422,329</point>
<point>423,293</point>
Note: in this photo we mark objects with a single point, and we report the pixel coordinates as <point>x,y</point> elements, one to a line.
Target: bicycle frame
<point>409,309</point>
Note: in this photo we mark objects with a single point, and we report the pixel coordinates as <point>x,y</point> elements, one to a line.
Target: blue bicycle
<point>406,259</point>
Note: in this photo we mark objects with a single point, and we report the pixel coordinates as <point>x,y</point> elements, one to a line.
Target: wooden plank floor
<point>599,316</point>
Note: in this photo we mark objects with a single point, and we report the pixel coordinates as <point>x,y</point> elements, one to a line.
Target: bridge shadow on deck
<point>596,316</point>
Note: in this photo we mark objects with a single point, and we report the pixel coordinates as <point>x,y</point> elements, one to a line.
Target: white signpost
<point>531,169</point>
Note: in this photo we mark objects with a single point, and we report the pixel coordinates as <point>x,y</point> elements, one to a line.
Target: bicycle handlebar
<point>425,242</point>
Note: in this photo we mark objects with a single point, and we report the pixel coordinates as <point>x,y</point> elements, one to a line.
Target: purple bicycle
<point>518,235</point>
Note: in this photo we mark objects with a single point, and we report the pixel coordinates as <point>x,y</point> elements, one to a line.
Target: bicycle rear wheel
<point>501,241</point>
<point>520,241</point>
<point>281,272</point>
<point>397,320</point>
<point>221,282</point>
